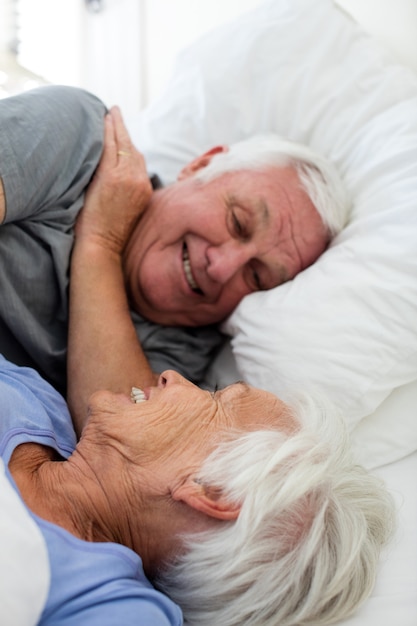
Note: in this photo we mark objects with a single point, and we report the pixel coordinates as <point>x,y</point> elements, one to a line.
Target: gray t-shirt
<point>50,144</point>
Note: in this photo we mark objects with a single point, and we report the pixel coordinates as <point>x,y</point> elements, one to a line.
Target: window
<point>13,76</point>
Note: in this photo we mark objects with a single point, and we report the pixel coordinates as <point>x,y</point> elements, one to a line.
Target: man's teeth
<point>137,395</point>
<point>187,269</point>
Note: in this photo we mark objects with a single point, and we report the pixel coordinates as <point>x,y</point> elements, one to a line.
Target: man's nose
<point>226,260</point>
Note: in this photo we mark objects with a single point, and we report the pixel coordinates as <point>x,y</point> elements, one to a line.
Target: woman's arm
<point>103,349</point>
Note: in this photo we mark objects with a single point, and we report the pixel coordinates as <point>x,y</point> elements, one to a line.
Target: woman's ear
<point>207,499</point>
<point>201,161</point>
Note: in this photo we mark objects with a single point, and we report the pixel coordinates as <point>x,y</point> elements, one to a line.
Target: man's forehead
<point>275,190</point>
<point>264,212</point>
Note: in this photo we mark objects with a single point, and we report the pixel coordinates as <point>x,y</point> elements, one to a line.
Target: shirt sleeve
<point>51,140</point>
<point>189,351</point>
<point>131,612</point>
<point>31,409</point>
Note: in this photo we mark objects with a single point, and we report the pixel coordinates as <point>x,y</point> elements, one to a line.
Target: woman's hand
<point>119,191</point>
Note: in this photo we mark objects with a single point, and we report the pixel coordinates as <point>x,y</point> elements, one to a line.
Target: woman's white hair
<point>318,176</point>
<point>305,547</point>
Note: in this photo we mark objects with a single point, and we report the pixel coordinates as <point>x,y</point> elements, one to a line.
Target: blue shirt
<point>92,584</point>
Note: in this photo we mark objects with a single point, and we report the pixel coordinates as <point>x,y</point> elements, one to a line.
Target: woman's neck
<point>63,492</point>
<point>95,501</point>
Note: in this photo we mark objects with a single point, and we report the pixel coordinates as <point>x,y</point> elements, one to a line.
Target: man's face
<point>201,247</point>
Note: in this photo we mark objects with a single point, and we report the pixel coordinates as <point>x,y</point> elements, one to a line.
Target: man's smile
<point>201,247</point>
<point>187,270</point>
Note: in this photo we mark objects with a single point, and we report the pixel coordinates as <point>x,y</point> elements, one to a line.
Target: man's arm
<point>103,349</point>
<point>2,202</point>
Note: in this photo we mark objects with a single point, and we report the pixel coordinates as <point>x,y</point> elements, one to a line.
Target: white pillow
<point>305,70</point>
<point>24,563</point>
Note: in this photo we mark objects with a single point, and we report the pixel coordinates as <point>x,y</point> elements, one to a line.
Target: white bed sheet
<point>394,599</point>
<point>24,565</point>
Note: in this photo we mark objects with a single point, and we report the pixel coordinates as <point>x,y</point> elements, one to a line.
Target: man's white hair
<point>318,176</point>
<point>305,547</point>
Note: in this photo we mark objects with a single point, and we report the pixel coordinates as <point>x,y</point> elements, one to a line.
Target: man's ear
<point>206,499</point>
<point>201,161</point>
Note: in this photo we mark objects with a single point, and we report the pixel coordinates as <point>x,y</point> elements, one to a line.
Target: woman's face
<point>161,444</point>
<point>179,422</point>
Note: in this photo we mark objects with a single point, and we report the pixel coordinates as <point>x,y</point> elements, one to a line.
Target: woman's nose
<point>226,260</point>
<point>170,377</point>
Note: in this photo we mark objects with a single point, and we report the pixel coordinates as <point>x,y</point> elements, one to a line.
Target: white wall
<point>115,67</point>
<point>174,24</point>
<point>125,53</point>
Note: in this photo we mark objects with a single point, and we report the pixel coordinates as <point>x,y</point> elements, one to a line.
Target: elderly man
<point>240,508</point>
<point>198,249</point>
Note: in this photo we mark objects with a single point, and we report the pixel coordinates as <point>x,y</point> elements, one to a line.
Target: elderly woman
<point>241,509</point>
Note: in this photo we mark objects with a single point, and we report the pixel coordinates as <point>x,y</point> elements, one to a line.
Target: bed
<point>347,325</point>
